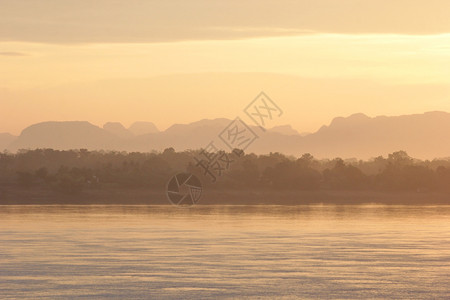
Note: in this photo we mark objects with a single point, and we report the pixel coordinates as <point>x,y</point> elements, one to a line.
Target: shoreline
<point>140,196</point>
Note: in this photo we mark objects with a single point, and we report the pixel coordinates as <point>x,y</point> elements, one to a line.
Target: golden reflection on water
<point>259,252</point>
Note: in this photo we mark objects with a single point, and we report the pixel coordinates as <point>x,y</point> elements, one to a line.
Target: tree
<point>25,179</point>
<point>41,173</point>
<point>343,176</point>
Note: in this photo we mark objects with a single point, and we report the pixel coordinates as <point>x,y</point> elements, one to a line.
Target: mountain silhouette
<point>284,129</point>
<point>357,136</point>
<point>6,139</point>
<point>65,135</point>
<point>118,130</point>
<point>140,128</point>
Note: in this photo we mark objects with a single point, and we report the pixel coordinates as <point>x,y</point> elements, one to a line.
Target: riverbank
<point>10,195</point>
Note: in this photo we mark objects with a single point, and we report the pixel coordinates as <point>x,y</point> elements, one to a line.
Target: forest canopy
<point>72,171</point>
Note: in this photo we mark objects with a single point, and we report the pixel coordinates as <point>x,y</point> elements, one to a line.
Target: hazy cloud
<point>55,21</point>
<point>11,53</point>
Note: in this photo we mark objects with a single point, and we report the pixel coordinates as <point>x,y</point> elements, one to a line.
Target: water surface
<point>246,252</point>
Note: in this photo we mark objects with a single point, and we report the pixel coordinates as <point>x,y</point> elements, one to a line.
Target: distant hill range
<point>357,136</point>
<point>5,140</point>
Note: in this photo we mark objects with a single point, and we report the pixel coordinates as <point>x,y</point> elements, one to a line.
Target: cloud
<point>11,53</point>
<point>139,21</point>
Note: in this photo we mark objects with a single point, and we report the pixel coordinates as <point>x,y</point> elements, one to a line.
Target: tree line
<point>71,171</point>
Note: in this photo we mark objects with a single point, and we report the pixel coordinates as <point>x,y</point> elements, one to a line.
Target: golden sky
<point>181,61</point>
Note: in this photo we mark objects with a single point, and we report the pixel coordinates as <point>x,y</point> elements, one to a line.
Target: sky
<point>180,61</point>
